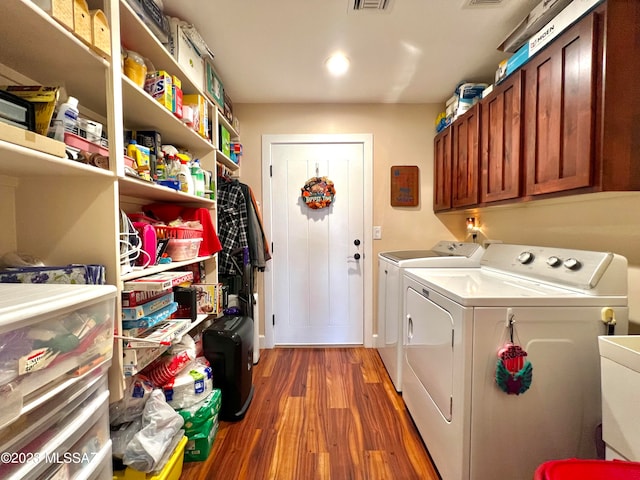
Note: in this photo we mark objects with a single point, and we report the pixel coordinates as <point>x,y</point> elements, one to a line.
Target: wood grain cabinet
<point>582,128</point>
<point>442,171</point>
<point>568,122</point>
<point>465,159</point>
<point>501,145</point>
<point>559,85</point>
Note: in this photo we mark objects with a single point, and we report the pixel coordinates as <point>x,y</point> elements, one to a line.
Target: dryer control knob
<point>572,264</point>
<point>554,261</point>
<point>525,257</point>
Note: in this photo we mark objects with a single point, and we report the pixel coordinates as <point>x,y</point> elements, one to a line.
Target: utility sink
<point>620,380</point>
<point>622,349</point>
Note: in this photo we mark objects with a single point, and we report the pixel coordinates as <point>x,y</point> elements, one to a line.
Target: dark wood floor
<point>319,414</point>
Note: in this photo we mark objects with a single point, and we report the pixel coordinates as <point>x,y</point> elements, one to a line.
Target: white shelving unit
<point>66,212</point>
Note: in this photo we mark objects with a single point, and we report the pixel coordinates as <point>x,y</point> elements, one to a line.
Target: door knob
<point>356,242</point>
<point>356,256</point>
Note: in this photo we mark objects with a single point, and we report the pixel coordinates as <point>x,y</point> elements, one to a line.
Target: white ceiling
<point>273,51</point>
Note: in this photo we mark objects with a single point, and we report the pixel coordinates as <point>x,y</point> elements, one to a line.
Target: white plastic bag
<point>132,403</point>
<point>160,424</point>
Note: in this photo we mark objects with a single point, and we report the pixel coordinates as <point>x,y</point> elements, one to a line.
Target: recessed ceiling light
<point>337,64</point>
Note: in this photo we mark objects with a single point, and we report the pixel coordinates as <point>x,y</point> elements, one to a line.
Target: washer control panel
<point>579,268</point>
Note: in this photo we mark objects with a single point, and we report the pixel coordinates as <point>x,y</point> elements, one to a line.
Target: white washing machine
<point>550,302</point>
<point>390,296</point>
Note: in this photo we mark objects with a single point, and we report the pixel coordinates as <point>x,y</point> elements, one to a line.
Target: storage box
<point>185,249</point>
<point>51,428</point>
<point>82,20</point>
<point>50,333</point>
<point>207,298</point>
<point>65,274</point>
<point>214,88</point>
<point>225,141</point>
<point>32,140</point>
<point>61,10</point>
<point>44,100</point>
<point>199,446</point>
<point>200,113</point>
<point>152,17</point>
<point>567,17</point>
<point>100,33</point>
<point>196,417</point>
<point>228,108</point>
<point>185,54</point>
<point>159,85</point>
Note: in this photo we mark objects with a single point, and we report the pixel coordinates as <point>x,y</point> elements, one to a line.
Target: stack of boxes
<point>201,426</point>
<point>563,20</point>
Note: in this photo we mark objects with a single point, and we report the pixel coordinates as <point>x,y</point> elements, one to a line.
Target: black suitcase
<point>228,346</point>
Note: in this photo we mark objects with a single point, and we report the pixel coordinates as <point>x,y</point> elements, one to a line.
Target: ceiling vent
<point>371,5</point>
<point>482,3</point>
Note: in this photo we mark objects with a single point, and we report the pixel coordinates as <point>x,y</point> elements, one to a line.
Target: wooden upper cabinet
<point>442,171</point>
<point>501,147</point>
<point>559,112</point>
<point>465,159</point>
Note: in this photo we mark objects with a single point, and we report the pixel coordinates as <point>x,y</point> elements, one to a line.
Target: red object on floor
<point>575,469</point>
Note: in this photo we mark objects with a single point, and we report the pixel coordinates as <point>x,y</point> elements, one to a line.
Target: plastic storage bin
<point>574,469</point>
<point>185,249</point>
<point>49,432</point>
<point>50,334</point>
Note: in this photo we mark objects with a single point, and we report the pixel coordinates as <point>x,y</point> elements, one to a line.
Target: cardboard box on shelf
<point>44,99</point>
<point>185,54</point>
<point>159,85</point>
<point>567,17</point>
<point>214,86</point>
<point>200,113</point>
<point>32,140</point>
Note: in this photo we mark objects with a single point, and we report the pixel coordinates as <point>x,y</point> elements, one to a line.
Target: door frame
<point>367,261</point>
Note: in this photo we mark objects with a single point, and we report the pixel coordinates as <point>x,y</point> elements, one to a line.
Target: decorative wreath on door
<point>318,192</point>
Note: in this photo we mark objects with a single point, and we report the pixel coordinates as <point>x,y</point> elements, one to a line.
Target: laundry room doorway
<point>318,285</point>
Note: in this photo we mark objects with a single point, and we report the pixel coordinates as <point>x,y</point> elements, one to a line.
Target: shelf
<point>143,112</point>
<point>38,47</point>
<point>162,334</point>
<point>138,188</point>
<point>225,122</point>
<point>226,161</point>
<point>136,36</point>
<point>19,161</point>
<point>161,268</point>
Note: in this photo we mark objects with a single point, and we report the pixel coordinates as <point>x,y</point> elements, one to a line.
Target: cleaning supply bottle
<point>198,178</point>
<point>161,167</point>
<point>132,151</point>
<point>66,118</point>
<point>184,177</point>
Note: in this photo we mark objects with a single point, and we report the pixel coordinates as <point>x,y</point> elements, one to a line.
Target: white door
<point>317,273</point>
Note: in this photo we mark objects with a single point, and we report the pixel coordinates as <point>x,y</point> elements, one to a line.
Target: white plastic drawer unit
<point>50,335</point>
<point>66,437</point>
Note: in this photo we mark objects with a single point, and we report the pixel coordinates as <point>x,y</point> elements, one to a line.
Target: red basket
<point>162,231</point>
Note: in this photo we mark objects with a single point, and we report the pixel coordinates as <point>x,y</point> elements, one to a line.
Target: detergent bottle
<point>184,176</point>
<point>198,178</point>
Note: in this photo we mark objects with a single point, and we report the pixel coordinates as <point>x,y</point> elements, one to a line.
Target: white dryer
<point>551,303</point>
<point>390,297</point>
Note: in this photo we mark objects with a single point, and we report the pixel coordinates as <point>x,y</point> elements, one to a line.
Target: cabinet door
<point>559,112</point>
<point>501,132</point>
<point>465,159</point>
<point>442,170</point>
